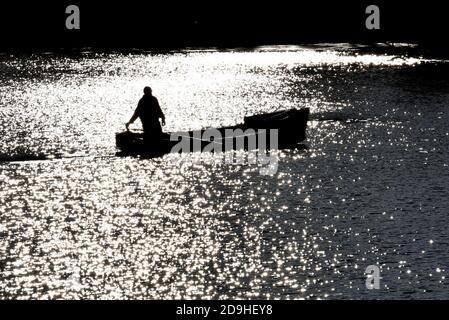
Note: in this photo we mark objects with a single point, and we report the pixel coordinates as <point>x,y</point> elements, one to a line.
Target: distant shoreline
<point>408,49</point>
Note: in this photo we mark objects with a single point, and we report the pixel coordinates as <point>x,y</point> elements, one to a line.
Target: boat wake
<point>19,158</point>
<point>22,157</point>
<point>347,120</point>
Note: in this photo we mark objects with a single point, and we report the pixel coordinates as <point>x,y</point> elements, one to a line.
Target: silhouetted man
<point>149,112</point>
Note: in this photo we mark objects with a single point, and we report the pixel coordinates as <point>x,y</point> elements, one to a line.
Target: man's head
<point>147,91</point>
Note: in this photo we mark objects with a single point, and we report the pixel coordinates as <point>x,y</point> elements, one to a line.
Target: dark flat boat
<point>255,133</point>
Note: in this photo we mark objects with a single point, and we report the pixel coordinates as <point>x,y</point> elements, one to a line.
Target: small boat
<point>256,132</point>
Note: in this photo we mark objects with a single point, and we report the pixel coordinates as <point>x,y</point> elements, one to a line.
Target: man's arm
<point>134,116</point>
<point>159,110</point>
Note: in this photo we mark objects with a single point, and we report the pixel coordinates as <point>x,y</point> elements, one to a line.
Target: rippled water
<point>372,188</point>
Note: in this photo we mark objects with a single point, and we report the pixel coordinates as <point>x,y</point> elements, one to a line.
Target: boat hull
<point>284,129</point>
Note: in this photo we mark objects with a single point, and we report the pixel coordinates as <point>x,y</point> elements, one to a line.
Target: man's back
<point>149,110</point>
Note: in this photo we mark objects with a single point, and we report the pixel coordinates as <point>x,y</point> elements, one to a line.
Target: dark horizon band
<point>135,24</point>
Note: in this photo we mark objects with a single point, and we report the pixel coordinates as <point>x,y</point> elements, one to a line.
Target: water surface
<point>76,221</point>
